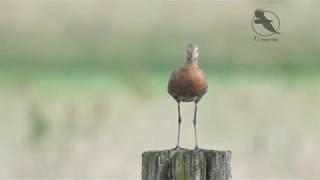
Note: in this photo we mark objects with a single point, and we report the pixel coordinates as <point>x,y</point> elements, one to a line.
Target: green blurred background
<point>83,87</point>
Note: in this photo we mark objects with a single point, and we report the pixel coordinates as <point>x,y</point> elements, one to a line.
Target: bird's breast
<point>187,84</point>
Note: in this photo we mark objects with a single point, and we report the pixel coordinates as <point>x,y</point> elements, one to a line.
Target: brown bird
<point>188,84</point>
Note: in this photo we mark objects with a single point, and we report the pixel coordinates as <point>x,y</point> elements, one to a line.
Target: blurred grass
<point>115,45</point>
<point>86,80</point>
<point>88,76</point>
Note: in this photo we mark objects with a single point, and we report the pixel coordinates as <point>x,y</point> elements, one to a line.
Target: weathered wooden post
<point>184,164</point>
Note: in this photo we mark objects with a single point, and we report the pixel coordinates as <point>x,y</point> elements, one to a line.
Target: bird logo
<point>265,23</point>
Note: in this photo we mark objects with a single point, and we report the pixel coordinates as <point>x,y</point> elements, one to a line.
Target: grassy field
<point>270,125</point>
<point>83,87</point>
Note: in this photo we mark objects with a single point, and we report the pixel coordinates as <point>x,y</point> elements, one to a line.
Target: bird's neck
<point>192,61</point>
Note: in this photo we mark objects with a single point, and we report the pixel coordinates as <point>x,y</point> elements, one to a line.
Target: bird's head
<point>192,52</point>
<point>259,13</point>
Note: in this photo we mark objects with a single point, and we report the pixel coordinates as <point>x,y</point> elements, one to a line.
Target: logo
<point>265,24</point>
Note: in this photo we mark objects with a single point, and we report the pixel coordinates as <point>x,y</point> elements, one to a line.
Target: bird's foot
<point>177,147</point>
<point>196,148</point>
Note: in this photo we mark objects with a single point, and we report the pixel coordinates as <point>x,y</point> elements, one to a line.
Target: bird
<point>262,19</point>
<point>188,84</point>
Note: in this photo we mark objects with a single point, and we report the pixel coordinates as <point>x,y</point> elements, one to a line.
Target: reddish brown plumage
<point>187,83</point>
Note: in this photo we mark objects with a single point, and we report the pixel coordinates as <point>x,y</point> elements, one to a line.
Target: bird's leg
<point>195,124</point>
<point>179,125</point>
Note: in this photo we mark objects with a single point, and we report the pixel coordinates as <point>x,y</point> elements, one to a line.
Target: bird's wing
<point>270,27</point>
<point>172,76</point>
<point>257,21</point>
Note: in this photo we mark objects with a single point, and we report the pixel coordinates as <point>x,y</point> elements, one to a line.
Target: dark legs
<point>179,126</point>
<point>195,124</point>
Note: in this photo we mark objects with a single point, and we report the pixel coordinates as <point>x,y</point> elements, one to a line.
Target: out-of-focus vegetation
<point>83,86</point>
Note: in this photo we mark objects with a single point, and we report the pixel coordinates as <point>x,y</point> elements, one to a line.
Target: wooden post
<point>184,164</point>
